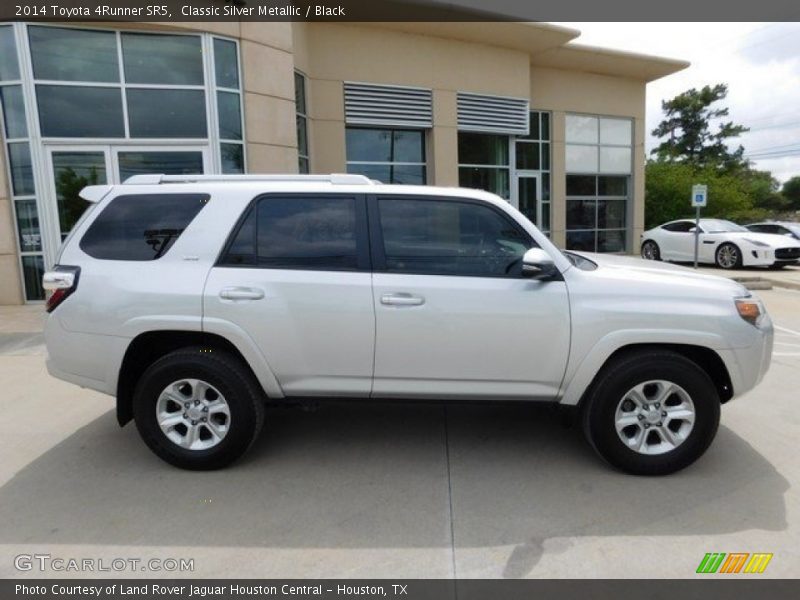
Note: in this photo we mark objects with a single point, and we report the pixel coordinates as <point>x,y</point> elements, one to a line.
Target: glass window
<point>679,226</point>
<point>9,68</point>
<point>19,159</point>
<point>494,180</point>
<point>528,155</point>
<point>300,93</point>
<point>446,237</point>
<point>581,185</point>
<point>226,63</point>
<point>30,236</point>
<point>32,272</point>
<point>596,213</point>
<point>307,233</point>
<point>232,158</point>
<point>73,54</point>
<point>611,241</point>
<point>303,166</point>
<point>615,132</point>
<point>73,171</point>
<point>581,159</point>
<point>141,227</point>
<point>242,249</point>
<point>580,214</point>
<point>164,59</point>
<point>397,174</point>
<point>581,129</point>
<point>545,125</point>
<point>615,160</point>
<point>302,136</point>
<point>388,155</point>
<point>230,116</point>
<point>167,113</point>
<point>13,107</point>
<point>482,149</point>
<point>612,186</point>
<point>168,162</point>
<point>611,214</point>
<point>66,111</point>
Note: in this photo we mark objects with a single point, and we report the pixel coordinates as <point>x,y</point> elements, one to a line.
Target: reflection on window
<point>13,109</point>
<point>9,69</point>
<point>73,171</point>
<point>483,163</point>
<point>167,162</point>
<point>162,59</point>
<point>32,272</point>
<point>67,111</point>
<point>30,237</point>
<point>449,238</point>
<point>387,155</point>
<point>74,54</point>
<point>167,113</point>
<point>226,64</point>
<point>596,213</point>
<point>302,122</point>
<point>19,158</point>
<point>232,158</point>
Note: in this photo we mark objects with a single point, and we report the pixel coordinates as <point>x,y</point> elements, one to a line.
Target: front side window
<point>297,233</point>
<point>447,237</point>
<point>387,155</point>
<point>141,227</point>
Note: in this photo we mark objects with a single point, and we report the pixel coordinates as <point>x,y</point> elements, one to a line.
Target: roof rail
<point>333,178</point>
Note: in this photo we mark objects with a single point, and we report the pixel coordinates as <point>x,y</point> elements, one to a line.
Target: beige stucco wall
<point>10,285</point>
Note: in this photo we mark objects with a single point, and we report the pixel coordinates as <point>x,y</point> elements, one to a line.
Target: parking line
<point>784,329</point>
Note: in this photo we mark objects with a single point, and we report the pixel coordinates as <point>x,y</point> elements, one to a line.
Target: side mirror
<point>537,264</point>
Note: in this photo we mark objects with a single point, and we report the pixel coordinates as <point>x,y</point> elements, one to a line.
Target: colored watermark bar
<point>734,562</point>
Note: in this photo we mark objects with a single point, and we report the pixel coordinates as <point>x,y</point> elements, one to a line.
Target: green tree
<point>791,192</point>
<point>687,129</point>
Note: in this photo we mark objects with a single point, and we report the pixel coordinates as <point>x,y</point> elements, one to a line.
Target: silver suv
<point>195,299</point>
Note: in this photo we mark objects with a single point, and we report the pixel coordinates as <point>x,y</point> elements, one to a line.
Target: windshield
<point>720,226</point>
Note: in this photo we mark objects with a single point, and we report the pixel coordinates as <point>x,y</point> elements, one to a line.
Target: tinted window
<point>298,233</point>
<point>449,238</point>
<point>142,226</point>
<point>155,58</point>
<point>226,63</point>
<point>73,54</point>
<point>67,111</point>
<point>679,227</point>
<point>167,113</point>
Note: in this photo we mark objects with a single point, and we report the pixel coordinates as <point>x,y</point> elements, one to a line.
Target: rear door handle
<point>241,293</point>
<point>402,299</point>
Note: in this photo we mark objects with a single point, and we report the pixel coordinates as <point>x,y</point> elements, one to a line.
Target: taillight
<point>59,284</point>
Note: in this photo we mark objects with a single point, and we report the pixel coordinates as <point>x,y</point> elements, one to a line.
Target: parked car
<point>723,243</point>
<point>194,299</point>
<point>787,228</point>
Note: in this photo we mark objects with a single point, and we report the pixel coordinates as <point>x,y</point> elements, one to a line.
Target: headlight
<point>750,310</point>
<point>756,243</point>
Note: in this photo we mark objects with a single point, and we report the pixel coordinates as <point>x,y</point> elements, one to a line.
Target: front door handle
<point>402,299</point>
<point>241,293</point>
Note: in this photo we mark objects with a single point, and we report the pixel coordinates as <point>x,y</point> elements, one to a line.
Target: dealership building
<point>519,109</point>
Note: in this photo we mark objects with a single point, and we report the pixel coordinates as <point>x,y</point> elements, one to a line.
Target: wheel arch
<point>706,358</point>
<point>148,347</point>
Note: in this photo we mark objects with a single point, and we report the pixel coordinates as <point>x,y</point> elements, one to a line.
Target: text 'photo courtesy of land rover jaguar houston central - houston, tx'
<point>196,299</point>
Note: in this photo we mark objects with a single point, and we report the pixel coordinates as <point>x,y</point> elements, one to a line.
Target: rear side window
<point>298,233</point>
<point>446,237</point>
<point>141,226</point>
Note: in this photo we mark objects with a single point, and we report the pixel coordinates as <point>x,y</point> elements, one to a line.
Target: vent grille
<point>387,105</point>
<point>493,114</point>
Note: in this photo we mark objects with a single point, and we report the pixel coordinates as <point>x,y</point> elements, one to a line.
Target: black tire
<point>632,369</point>
<point>650,250</point>
<point>737,264</point>
<point>242,393</point>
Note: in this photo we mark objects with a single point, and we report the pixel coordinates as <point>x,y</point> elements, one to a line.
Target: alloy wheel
<point>193,414</point>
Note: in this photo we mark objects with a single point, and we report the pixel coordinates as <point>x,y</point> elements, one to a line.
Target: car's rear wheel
<point>728,256</point>
<point>651,413</point>
<point>198,408</point>
<point>651,251</point>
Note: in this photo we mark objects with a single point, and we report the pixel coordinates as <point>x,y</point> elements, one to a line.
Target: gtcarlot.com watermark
<point>48,563</point>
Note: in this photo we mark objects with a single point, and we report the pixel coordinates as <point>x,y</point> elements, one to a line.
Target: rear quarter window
<point>141,227</point>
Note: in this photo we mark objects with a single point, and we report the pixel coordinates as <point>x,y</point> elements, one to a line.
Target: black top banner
<point>398,10</point>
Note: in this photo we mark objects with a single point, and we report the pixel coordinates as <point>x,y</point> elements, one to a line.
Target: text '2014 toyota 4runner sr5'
<point>194,299</point>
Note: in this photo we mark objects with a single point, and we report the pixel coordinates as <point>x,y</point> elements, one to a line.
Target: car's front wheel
<point>651,413</point>
<point>198,408</point>
<point>651,251</point>
<point>728,256</point>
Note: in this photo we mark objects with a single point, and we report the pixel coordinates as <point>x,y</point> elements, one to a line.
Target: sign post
<point>699,200</point>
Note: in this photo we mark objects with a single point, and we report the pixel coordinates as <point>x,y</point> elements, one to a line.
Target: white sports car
<point>723,243</point>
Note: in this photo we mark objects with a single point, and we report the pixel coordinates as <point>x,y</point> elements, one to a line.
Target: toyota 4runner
<point>195,299</point>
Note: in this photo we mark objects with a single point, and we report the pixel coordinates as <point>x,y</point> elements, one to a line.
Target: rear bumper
<point>85,359</point>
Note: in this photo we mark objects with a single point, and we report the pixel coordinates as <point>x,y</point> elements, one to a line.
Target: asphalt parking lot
<point>406,490</point>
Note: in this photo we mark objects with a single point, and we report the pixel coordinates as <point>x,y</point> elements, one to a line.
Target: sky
<point>760,62</point>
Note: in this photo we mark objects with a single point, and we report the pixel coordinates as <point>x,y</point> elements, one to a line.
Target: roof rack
<point>333,178</point>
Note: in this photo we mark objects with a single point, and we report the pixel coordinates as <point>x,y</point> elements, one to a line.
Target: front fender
<point>582,370</point>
